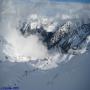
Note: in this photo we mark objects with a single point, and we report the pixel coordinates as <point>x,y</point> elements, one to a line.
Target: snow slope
<point>72,75</point>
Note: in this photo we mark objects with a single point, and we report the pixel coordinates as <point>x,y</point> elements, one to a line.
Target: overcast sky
<point>82,1</point>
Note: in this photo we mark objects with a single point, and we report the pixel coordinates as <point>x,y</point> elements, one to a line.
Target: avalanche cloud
<point>45,20</point>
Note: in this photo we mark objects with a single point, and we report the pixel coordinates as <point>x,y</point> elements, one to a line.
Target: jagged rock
<point>68,36</point>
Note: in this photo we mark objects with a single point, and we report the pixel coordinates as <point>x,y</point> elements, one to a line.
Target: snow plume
<point>19,47</point>
<point>30,47</point>
<point>39,13</point>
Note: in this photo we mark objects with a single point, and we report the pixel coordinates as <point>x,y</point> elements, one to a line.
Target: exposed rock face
<point>69,36</point>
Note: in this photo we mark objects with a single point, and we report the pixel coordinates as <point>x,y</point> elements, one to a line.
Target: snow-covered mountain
<point>69,36</point>
<point>44,45</point>
<point>58,41</point>
<point>62,40</point>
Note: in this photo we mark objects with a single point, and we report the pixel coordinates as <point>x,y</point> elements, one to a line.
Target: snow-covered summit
<point>45,41</point>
